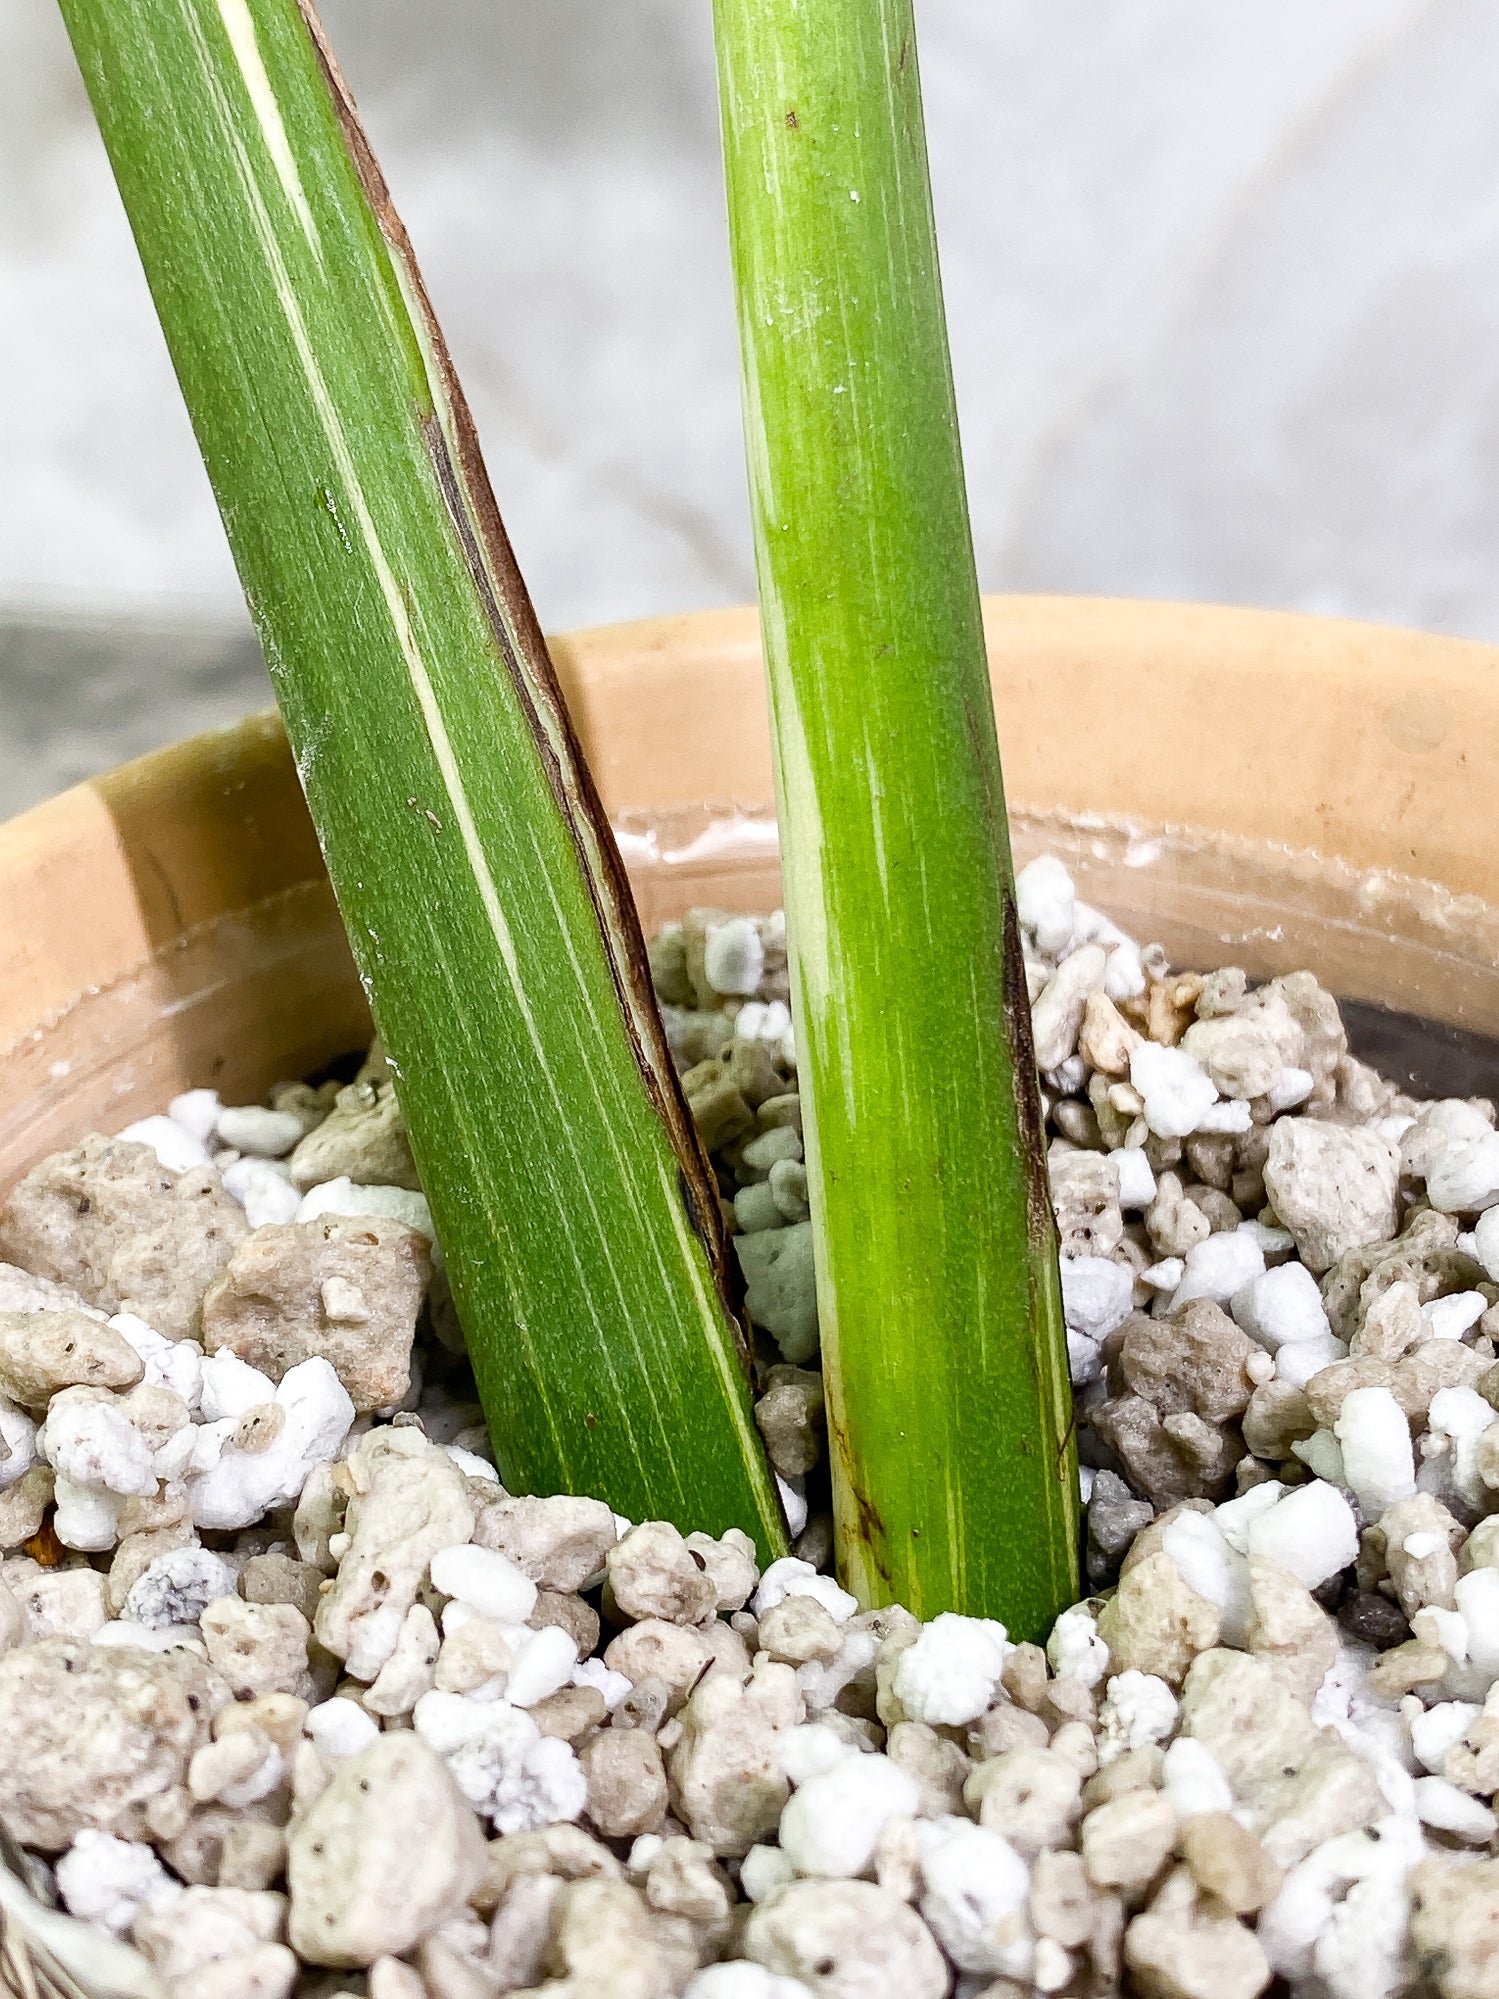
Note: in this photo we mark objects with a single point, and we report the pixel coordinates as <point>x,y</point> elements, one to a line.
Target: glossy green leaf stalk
<point>955,1485</point>
<point>483,896</point>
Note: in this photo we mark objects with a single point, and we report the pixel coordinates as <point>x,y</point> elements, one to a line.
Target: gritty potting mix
<point>297,1699</point>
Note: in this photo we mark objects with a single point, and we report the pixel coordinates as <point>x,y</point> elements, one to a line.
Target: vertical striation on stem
<point>485,903</point>
<point>955,1483</point>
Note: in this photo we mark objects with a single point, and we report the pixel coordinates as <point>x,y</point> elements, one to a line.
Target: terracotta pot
<point>1248,787</point>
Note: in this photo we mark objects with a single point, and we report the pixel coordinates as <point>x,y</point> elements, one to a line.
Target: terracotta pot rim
<point>1327,777</point>
<point>1157,633</point>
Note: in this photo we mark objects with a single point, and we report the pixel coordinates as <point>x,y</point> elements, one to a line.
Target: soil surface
<point>297,1699</point>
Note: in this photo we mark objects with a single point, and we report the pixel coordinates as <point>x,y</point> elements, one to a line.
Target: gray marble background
<point>1223,283</point>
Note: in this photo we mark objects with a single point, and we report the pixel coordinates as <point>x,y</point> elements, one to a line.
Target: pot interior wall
<point>169,925</point>
<point>1416,967</point>
<point>269,991</point>
<point>242,1002</point>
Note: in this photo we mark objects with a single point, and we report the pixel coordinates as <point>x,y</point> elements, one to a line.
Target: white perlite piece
<point>344,1197</point>
<point>95,1445</point>
<point>174,1364</point>
<point>1137,1183</point>
<point>1193,1780</point>
<point>232,1485</point>
<point>974,1893</point>
<point>109,1881</point>
<point>793,1503</point>
<point>742,1980</point>
<point>951,1672</point>
<point>1165,1275</point>
<point>254,1129</point>
<point>1219,1267</point>
<point>1447,1809</point>
<point>1462,1418</point>
<point>1299,1360</point>
<point>1084,1358</point>
<point>1464,1177</point>
<point>264,1190</point>
<point>1442,1124</point>
<point>733,957</point>
<point>1486,1242</point>
<point>1045,901</point>
<point>197,1111</point>
<point>174,1145</point>
<point>811,1749</point>
<point>1175,1088</point>
<point>1281,1307</point>
<point>511,1773</point>
<point>764,1870</point>
<point>1217,1572</point>
<point>489,1582</point>
<point>340,1728</point>
<point>1097,1295</point>
<point>1075,1650</point>
<point>1139,1709</point>
<point>1311,1532</point>
<point>544,1663</point>
<point>833,1822</point>
<point>1236,1517</point>
<point>1435,1730</point>
<point>1449,1318</point>
<point>612,1687</point>
<point>792,1577</point>
<point>759,1020</point>
<point>1379,1464</point>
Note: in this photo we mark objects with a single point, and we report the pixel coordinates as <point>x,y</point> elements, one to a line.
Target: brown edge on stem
<point>471,504</point>
<point>867,1523</point>
<point>1041,1227</point>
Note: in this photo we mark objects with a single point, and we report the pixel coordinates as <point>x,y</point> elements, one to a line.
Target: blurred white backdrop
<point>1223,285</point>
